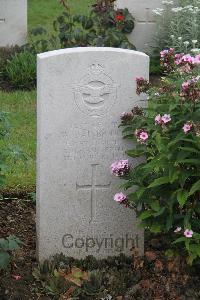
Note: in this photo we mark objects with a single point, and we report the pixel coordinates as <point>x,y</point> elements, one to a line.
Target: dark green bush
<point>5,54</point>
<point>21,70</point>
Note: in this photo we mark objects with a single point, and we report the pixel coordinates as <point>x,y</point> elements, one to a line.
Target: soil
<point>159,279</point>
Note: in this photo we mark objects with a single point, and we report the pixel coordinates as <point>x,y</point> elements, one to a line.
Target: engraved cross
<point>93,187</point>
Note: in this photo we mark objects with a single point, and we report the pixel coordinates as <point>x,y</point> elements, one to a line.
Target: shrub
<point>5,54</point>
<point>104,26</point>
<point>179,25</point>
<point>167,133</point>
<point>21,70</point>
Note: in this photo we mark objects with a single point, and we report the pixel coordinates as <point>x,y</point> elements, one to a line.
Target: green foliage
<point>167,194</point>
<point>5,54</point>
<point>103,26</point>
<point>7,246</point>
<point>155,68</point>
<point>86,279</point>
<point>4,152</point>
<point>21,70</point>
<point>178,25</point>
<point>100,28</point>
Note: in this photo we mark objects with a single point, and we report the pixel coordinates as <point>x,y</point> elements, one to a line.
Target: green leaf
<point>155,228</point>
<point>4,260</point>
<point>135,153</point>
<point>12,244</point>
<point>179,240</point>
<point>195,188</point>
<point>195,248</point>
<point>155,205</point>
<point>159,181</point>
<point>146,214</point>
<point>182,197</point>
<point>189,161</point>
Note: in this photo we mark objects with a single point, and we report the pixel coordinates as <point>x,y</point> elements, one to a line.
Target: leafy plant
<point>7,246</point>
<point>5,54</point>
<point>167,134</point>
<point>21,70</point>
<point>86,279</point>
<point>105,26</point>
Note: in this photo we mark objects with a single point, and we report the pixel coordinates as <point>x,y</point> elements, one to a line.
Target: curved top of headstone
<point>88,49</point>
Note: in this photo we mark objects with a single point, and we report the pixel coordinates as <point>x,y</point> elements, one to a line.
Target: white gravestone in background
<point>143,35</point>
<point>13,22</point>
<point>81,94</point>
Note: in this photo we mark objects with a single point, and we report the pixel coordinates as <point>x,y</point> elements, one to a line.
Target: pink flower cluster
<point>187,127</point>
<point>160,120</point>
<point>167,59</point>
<point>186,62</point>
<point>141,135</point>
<point>126,116</point>
<point>120,197</point>
<point>187,233</point>
<point>190,89</point>
<point>166,52</point>
<point>187,59</point>
<point>142,85</point>
<point>120,168</point>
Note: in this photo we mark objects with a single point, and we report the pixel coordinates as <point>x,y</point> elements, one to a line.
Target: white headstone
<point>13,22</point>
<point>81,93</point>
<point>143,35</point>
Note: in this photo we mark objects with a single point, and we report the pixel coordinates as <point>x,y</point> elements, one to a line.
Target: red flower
<point>119,18</point>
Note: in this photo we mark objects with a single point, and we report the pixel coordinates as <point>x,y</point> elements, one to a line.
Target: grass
<point>22,105</point>
<point>22,114</point>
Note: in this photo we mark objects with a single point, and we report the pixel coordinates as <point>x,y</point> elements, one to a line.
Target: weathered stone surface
<point>13,22</point>
<point>143,35</point>
<point>81,93</point>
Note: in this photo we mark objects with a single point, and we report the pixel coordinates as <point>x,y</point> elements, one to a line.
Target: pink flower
<point>120,168</point>
<point>187,127</point>
<point>140,79</point>
<point>178,229</point>
<point>188,233</point>
<point>166,52</point>
<point>185,85</point>
<point>197,59</point>
<point>126,116</point>
<point>16,277</point>
<point>188,58</point>
<point>158,119</point>
<point>166,118</point>
<point>120,197</point>
<point>143,136</point>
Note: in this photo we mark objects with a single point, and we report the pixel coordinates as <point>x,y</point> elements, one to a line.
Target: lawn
<point>43,12</point>
<point>22,105</point>
<point>22,114</point>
